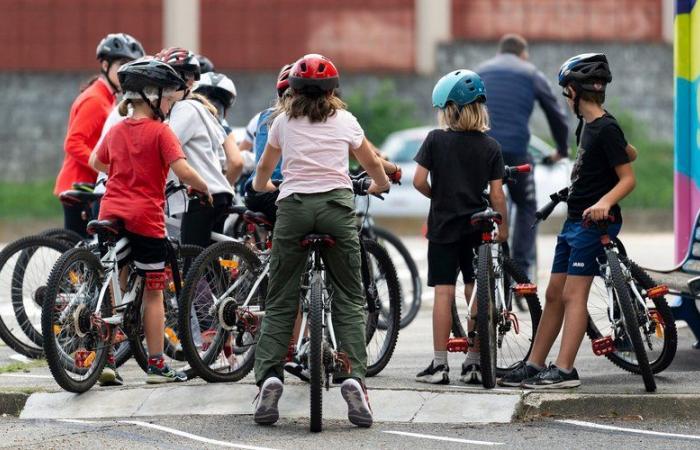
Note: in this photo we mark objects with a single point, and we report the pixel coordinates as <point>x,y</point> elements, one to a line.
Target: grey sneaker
<point>552,378</point>
<point>110,377</point>
<point>266,412</point>
<point>298,370</point>
<point>355,395</point>
<point>158,372</point>
<point>515,376</point>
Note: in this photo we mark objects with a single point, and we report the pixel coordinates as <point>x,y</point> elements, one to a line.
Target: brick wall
<point>63,34</point>
<point>558,20</point>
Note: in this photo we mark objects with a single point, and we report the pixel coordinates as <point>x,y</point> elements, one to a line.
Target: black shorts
<point>147,253</point>
<point>445,261</point>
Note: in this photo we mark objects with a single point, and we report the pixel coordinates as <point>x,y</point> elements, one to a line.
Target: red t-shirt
<point>87,116</point>
<point>139,154</point>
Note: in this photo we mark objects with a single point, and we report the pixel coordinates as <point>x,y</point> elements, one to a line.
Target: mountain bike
<point>84,311</point>
<point>629,321</point>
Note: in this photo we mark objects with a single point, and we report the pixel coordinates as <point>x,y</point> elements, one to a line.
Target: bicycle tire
<point>485,317</point>
<point>63,234</point>
<point>670,332</point>
<point>630,321</point>
<point>188,297</point>
<point>28,249</point>
<point>316,355</point>
<point>391,321</point>
<point>14,335</point>
<point>56,358</point>
<point>409,313</point>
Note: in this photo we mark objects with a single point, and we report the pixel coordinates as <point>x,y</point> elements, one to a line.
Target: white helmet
<point>217,86</point>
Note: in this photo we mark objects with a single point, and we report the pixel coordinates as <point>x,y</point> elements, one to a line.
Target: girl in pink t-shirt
<point>314,135</point>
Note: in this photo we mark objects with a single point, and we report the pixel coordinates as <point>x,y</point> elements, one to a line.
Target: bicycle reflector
<point>603,346</point>
<point>657,291</point>
<point>457,345</point>
<point>525,289</point>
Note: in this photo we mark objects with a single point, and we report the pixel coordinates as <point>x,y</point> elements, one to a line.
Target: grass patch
<point>22,366</point>
<point>29,200</point>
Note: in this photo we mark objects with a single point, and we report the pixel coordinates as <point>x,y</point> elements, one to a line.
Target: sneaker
<point>110,377</point>
<point>266,412</point>
<point>552,378</point>
<point>158,372</point>
<point>516,375</point>
<point>355,395</point>
<point>471,374</point>
<point>298,370</point>
<point>434,375</point>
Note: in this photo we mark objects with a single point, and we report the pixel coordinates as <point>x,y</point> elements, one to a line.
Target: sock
<point>472,358</point>
<point>534,366</point>
<point>156,360</point>
<point>565,371</point>
<point>440,359</point>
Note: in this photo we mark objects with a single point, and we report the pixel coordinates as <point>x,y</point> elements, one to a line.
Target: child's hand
<point>395,176</point>
<point>599,211</point>
<point>375,189</point>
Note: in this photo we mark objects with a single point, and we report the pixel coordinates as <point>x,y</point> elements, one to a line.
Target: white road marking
<point>627,430</point>
<point>443,438</point>
<point>25,375</point>
<point>194,437</point>
<point>82,422</point>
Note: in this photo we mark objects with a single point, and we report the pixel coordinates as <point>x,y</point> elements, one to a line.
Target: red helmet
<point>314,72</point>
<point>180,59</point>
<point>283,79</point>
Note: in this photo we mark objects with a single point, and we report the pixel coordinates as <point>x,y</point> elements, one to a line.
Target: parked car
<point>404,201</point>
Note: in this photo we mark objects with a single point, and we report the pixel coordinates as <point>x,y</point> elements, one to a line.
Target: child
<point>462,162</point>
<point>601,177</point>
<point>137,154</point>
<point>314,136</point>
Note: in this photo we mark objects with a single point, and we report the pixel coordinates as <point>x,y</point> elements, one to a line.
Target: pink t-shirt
<point>315,155</point>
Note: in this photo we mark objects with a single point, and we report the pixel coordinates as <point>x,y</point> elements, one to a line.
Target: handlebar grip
<point>546,210</point>
<point>523,168</point>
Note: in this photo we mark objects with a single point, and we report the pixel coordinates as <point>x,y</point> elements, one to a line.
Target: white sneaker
<point>359,411</point>
<point>266,412</point>
<point>434,374</point>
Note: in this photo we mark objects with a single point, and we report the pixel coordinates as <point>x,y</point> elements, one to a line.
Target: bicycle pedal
<point>603,346</point>
<point>525,289</point>
<point>114,320</point>
<point>657,291</point>
<point>457,345</point>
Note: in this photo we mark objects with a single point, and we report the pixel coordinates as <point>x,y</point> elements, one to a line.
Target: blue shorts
<point>578,247</point>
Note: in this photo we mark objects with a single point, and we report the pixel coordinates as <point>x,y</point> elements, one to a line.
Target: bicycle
<point>621,294</point>
<point>503,339</point>
<point>84,309</point>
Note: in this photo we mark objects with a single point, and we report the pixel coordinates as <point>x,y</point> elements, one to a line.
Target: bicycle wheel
<point>630,322</point>
<point>70,237</point>
<point>486,316</point>
<point>407,272</point>
<point>172,348</point>
<point>658,328</point>
<point>381,341</point>
<point>76,347</point>
<point>218,335</point>
<point>316,369</point>
<point>17,330</point>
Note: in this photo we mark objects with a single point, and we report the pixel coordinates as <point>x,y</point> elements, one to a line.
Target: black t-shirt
<point>602,148</point>
<point>461,164</point>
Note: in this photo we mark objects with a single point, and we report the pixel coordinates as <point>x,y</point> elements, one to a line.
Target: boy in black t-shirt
<point>601,177</point>
<point>462,162</point>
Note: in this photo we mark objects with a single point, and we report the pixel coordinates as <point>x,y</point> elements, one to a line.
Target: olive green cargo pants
<point>331,213</point>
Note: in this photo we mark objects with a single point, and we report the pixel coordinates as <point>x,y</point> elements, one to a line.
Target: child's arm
<point>369,160</point>
<point>601,209</point>
<point>234,160</point>
<point>498,202</point>
<point>631,152</point>
<point>268,161</point>
<point>96,164</point>
<point>189,176</point>
<point>420,181</point>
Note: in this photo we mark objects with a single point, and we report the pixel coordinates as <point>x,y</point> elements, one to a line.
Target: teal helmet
<point>461,87</point>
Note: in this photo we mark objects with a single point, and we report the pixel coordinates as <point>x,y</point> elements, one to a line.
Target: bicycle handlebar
<point>510,171</point>
<point>361,183</point>
<point>556,198</point>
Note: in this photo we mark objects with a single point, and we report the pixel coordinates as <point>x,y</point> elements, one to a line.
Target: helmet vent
<point>321,67</point>
<point>458,72</point>
<point>468,81</point>
<point>303,67</point>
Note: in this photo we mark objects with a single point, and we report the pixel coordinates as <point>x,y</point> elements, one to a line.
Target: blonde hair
<point>209,106</point>
<point>316,107</point>
<point>471,117</point>
<point>124,105</point>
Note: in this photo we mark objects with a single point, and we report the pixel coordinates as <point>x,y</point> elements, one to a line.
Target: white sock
<point>472,358</point>
<point>440,359</point>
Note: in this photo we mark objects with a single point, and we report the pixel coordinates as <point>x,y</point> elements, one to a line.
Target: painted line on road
<point>443,438</point>
<point>194,437</point>
<point>25,375</point>
<point>627,430</point>
<point>81,422</point>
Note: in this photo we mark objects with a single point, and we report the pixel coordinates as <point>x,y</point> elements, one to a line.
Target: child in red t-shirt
<point>137,154</point>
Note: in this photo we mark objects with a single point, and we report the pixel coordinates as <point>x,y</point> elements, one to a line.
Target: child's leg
<point>442,316</point>
<point>550,322</point>
<point>574,299</point>
<point>153,317</point>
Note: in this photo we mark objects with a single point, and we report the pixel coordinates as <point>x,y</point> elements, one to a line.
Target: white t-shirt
<point>315,155</point>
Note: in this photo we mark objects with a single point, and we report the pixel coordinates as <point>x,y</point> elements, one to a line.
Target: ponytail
<point>124,107</point>
<point>207,104</point>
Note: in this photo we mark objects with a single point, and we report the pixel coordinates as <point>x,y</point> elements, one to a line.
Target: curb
<point>657,406</point>
<point>12,403</point>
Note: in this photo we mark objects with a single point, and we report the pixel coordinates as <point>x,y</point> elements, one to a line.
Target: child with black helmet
<point>462,161</point>
<point>137,154</point>
<point>602,176</point>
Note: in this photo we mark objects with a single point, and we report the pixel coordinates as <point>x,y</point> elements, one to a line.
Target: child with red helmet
<point>314,135</point>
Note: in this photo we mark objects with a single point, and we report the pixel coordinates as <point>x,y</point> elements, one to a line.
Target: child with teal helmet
<point>462,161</point>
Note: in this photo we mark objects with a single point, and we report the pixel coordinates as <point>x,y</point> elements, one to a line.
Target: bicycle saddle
<point>257,218</point>
<point>76,197</point>
<point>326,240</point>
<point>109,229</point>
<point>486,216</point>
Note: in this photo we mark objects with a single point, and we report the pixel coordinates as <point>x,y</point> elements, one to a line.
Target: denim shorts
<point>578,248</point>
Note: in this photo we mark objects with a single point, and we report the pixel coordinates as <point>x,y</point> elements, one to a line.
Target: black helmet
<point>205,64</point>
<point>137,75</point>
<point>581,69</point>
<point>119,46</point>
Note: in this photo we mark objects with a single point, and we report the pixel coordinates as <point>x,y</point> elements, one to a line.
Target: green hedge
<point>31,200</point>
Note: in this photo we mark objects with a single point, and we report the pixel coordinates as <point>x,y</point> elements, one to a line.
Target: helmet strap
<point>155,108</point>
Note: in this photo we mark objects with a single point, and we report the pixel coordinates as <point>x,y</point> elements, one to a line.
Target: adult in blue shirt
<point>514,85</point>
